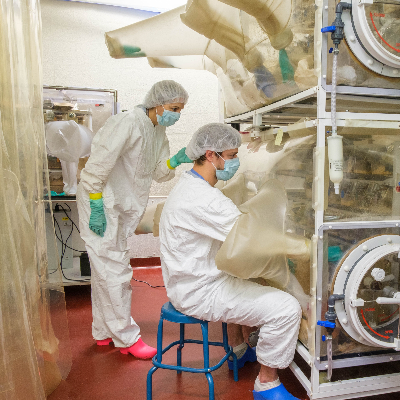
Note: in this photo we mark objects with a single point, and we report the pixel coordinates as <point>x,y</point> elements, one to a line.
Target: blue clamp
<point>327,324</point>
<point>328,29</point>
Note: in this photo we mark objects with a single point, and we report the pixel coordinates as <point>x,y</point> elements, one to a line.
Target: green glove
<point>97,221</point>
<point>287,69</point>
<point>179,158</point>
<point>334,253</point>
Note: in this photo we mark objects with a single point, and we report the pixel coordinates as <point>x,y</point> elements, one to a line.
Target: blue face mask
<point>168,118</point>
<point>230,168</point>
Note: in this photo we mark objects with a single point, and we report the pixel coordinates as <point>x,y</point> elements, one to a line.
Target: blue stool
<point>169,313</point>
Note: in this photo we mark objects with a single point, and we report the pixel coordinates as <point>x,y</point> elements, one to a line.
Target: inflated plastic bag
<point>256,245</point>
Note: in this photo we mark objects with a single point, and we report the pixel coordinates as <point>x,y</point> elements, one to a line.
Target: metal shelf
<point>305,105</point>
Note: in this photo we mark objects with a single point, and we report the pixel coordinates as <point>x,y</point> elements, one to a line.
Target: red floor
<point>103,373</point>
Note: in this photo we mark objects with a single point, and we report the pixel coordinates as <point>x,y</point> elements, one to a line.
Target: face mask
<point>168,118</point>
<point>230,168</point>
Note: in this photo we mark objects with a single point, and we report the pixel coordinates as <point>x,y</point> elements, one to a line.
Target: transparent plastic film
<point>68,141</point>
<point>273,17</point>
<point>364,265</point>
<point>72,116</point>
<point>251,250</point>
<point>371,176</point>
<point>137,40</point>
<point>261,50</point>
<point>34,344</point>
<point>270,158</point>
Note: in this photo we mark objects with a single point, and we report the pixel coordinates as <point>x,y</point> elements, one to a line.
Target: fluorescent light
<point>145,5</point>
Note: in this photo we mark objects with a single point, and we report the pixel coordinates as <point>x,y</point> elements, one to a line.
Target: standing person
<point>195,221</point>
<point>127,154</point>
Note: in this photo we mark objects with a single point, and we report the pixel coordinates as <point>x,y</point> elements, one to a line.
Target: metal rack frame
<point>366,108</point>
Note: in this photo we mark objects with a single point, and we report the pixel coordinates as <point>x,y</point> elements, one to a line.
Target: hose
<point>333,93</point>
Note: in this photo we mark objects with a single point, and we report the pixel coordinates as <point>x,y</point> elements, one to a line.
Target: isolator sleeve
<point>256,245</point>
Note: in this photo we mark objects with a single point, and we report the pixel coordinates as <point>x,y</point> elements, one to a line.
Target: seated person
<point>195,221</point>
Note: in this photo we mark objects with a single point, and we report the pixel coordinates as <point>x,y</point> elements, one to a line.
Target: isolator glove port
<point>179,158</point>
<point>97,221</point>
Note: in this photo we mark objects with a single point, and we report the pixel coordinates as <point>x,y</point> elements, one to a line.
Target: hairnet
<point>165,92</point>
<point>214,137</point>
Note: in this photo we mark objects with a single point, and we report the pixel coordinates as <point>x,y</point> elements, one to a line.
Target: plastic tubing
<point>335,144</point>
<point>333,93</point>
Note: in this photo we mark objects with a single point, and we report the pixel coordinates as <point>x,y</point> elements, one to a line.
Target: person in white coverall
<point>195,220</point>
<point>127,153</point>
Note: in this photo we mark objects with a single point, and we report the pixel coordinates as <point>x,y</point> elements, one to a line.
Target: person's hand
<point>97,221</point>
<point>179,158</point>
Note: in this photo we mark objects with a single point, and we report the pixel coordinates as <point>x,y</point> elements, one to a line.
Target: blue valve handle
<point>327,324</point>
<point>328,29</point>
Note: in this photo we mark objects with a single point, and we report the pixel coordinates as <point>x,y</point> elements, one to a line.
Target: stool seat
<point>169,313</point>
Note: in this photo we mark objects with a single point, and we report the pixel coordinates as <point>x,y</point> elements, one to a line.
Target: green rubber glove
<point>179,158</point>
<point>334,253</point>
<point>97,221</point>
<point>287,69</point>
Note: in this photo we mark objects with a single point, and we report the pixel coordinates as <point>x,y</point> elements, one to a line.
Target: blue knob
<point>329,29</point>
<point>327,324</point>
<point>323,338</point>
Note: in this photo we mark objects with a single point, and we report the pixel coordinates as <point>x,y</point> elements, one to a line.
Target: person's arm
<point>108,145</point>
<point>163,172</point>
<point>217,218</point>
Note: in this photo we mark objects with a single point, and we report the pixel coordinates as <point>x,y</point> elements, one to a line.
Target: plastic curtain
<point>34,345</point>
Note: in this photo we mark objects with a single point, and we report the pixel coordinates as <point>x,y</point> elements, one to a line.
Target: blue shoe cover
<point>278,393</point>
<point>249,355</point>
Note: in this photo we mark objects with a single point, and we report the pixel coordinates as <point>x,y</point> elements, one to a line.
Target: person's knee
<point>295,308</point>
<point>290,312</point>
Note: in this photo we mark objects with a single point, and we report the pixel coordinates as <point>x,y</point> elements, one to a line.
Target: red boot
<point>140,350</point>
<point>104,342</point>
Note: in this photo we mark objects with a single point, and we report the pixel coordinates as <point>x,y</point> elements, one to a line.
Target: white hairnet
<point>215,137</point>
<point>165,92</point>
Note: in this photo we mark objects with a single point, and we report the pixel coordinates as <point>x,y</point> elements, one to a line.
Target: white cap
<point>165,92</point>
<point>215,137</point>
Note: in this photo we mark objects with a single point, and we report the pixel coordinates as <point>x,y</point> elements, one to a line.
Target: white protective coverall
<point>127,153</point>
<point>195,221</point>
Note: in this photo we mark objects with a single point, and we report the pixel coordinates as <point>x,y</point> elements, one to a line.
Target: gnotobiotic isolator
<point>314,86</point>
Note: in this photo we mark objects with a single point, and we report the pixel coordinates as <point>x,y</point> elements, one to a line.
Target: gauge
<point>372,31</point>
<point>369,277</point>
<point>381,321</point>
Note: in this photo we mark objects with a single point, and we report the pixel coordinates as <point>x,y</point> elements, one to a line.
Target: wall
<point>75,54</point>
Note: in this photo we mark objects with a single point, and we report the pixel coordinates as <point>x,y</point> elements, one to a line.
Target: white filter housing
<point>335,154</point>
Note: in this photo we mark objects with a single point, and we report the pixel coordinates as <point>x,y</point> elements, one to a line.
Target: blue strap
<point>196,173</point>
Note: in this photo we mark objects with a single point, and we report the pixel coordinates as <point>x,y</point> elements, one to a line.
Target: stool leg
<point>204,331</point>
<point>210,386</point>
<point>235,368</point>
<point>150,383</point>
<point>180,347</point>
<point>225,336</point>
<point>160,340</point>
<point>206,355</point>
<point>227,349</point>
